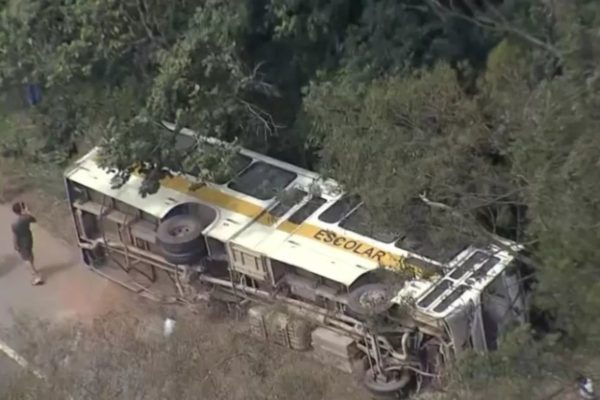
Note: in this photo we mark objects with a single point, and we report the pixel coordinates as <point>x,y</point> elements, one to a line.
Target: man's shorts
<point>26,253</point>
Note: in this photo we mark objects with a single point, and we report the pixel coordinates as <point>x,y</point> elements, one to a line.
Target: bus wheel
<point>183,258</point>
<point>181,234</point>
<point>370,300</point>
<point>391,384</point>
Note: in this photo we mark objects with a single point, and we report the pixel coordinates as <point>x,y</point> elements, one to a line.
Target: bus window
<point>339,209</point>
<point>262,180</point>
<point>431,243</point>
<point>306,210</point>
<point>290,199</point>
<point>237,164</point>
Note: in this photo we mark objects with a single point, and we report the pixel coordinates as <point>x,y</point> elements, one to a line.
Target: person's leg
<point>27,255</point>
<point>31,263</point>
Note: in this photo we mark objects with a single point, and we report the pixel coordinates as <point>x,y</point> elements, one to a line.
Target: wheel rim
<point>371,300</point>
<point>179,231</point>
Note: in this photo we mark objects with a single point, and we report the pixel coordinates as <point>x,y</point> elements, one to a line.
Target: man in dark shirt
<point>23,239</point>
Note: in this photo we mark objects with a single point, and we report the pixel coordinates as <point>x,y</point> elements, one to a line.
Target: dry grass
<point>124,357</point>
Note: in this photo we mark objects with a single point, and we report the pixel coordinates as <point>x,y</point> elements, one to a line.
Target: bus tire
<point>183,258</point>
<point>393,388</point>
<point>181,234</point>
<point>370,299</point>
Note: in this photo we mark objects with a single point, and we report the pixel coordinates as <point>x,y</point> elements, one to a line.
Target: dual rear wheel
<point>180,239</point>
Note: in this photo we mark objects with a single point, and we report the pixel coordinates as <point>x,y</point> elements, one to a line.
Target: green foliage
<point>397,35</point>
<point>408,135</point>
<point>201,83</point>
<point>523,368</point>
<point>80,52</point>
<point>313,28</point>
<point>216,66</point>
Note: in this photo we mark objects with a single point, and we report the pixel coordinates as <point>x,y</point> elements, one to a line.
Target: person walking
<point>23,239</point>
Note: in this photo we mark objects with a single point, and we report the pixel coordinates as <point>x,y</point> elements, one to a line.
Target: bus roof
<point>301,230</point>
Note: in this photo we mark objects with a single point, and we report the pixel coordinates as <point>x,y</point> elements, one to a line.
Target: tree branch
<point>501,243</point>
<point>498,25</point>
<point>140,5</point>
<point>269,127</point>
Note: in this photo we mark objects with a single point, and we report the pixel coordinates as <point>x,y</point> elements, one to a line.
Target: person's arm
<point>30,218</point>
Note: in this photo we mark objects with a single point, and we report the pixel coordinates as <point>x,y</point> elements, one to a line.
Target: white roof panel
<point>87,173</point>
<point>322,264</point>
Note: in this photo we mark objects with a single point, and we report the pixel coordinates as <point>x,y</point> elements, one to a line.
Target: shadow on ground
<point>53,269</point>
<point>8,263</point>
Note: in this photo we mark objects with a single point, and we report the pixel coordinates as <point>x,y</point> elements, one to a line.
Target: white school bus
<point>310,271</point>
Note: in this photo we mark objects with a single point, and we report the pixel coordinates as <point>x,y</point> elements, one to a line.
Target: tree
<point>83,54</point>
<point>233,58</point>
<point>182,60</point>
<point>405,137</point>
<point>202,84</point>
<point>392,36</point>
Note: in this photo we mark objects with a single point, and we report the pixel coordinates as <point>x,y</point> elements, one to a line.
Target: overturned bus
<point>309,272</point>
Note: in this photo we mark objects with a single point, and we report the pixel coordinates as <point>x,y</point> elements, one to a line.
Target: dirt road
<point>70,290</point>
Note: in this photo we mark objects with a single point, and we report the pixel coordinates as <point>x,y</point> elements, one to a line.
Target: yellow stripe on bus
<point>357,247</point>
<point>214,197</point>
<point>220,199</point>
